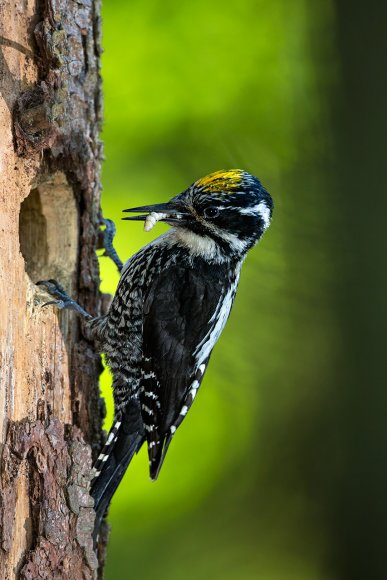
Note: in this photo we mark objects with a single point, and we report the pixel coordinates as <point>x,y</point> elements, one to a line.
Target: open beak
<point>171,213</point>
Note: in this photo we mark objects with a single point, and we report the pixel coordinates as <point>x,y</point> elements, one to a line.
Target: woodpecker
<point>171,305</point>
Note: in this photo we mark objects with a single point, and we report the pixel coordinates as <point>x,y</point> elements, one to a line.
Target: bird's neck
<point>204,247</point>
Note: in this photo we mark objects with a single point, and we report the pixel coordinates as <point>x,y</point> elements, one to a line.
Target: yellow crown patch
<point>224,180</point>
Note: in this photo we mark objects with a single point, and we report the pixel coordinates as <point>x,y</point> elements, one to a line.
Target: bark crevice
<point>55,462</point>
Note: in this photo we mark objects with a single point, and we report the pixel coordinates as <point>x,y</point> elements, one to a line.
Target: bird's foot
<point>62,299</point>
<point>107,242</point>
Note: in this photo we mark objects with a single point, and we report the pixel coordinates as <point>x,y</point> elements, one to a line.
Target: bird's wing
<point>184,314</point>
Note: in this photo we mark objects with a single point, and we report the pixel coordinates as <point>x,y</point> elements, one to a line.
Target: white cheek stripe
<point>261,209</point>
<point>236,244</point>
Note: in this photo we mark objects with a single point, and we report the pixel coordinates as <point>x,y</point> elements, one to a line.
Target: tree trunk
<point>50,412</point>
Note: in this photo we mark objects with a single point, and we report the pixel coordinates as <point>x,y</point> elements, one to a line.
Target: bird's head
<point>230,208</point>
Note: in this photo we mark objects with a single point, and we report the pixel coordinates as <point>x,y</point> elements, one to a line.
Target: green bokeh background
<point>272,475</point>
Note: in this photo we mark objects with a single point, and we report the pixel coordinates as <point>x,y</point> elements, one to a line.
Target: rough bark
<point>50,412</point>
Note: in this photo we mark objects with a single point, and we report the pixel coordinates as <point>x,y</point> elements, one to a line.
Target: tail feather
<point>157,459</point>
<point>125,439</point>
<point>107,448</point>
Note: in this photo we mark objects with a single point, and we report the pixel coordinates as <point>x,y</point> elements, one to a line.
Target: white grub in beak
<point>152,219</point>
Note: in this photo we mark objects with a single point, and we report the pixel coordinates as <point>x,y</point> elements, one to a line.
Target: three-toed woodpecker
<point>171,304</point>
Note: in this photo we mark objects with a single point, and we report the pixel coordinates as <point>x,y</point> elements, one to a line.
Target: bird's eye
<point>211,212</point>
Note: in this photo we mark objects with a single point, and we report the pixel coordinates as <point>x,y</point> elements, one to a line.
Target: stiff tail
<point>125,439</point>
<point>158,447</point>
<point>157,459</point>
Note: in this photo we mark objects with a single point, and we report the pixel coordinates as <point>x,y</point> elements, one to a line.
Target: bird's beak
<point>173,212</point>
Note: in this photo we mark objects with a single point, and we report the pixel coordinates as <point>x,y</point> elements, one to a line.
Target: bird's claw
<point>54,288</point>
<point>62,300</point>
<point>107,237</point>
<point>58,303</point>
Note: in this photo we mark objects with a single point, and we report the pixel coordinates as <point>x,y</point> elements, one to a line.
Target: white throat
<point>198,245</point>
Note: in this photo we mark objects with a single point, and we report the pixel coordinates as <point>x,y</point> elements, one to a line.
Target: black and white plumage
<point>171,304</point>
